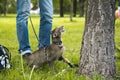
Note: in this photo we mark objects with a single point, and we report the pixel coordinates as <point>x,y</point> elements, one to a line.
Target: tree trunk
<point>98,47</point>
<point>61,9</point>
<point>81,8</point>
<point>71,10</point>
<point>5,7</point>
<point>74,8</point>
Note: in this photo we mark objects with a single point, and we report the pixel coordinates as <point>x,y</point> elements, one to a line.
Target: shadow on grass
<point>8,16</point>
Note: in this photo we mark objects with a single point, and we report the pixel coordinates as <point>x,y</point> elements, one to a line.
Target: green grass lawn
<point>71,39</point>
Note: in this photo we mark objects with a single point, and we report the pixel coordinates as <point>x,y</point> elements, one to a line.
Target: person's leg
<point>23,11</point>
<point>46,16</point>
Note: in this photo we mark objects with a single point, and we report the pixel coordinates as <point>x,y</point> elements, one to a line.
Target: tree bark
<point>98,46</point>
<point>5,7</point>
<point>74,8</point>
<point>81,2</point>
<point>71,10</point>
<point>61,9</point>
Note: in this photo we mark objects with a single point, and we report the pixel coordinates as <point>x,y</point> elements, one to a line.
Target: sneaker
<point>25,56</point>
<point>26,53</point>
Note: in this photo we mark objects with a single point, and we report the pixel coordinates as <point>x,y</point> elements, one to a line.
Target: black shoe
<point>25,56</point>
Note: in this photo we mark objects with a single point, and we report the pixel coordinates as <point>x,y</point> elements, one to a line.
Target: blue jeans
<point>23,12</point>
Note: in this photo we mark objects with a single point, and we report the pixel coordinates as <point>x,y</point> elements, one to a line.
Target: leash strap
<point>45,54</point>
<point>34,29</point>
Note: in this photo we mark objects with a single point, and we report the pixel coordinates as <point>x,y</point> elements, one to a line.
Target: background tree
<point>98,49</point>
<point>61,9</point>
<point>81,4</point>
<point>74,8</point>
<point>7,6</point>
<point>3,7</point>
<point>71,10</point>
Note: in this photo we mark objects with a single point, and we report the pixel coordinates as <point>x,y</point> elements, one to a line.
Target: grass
<point>71,39</point>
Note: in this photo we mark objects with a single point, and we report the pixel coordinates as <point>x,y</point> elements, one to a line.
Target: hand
<point>117,14</point>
